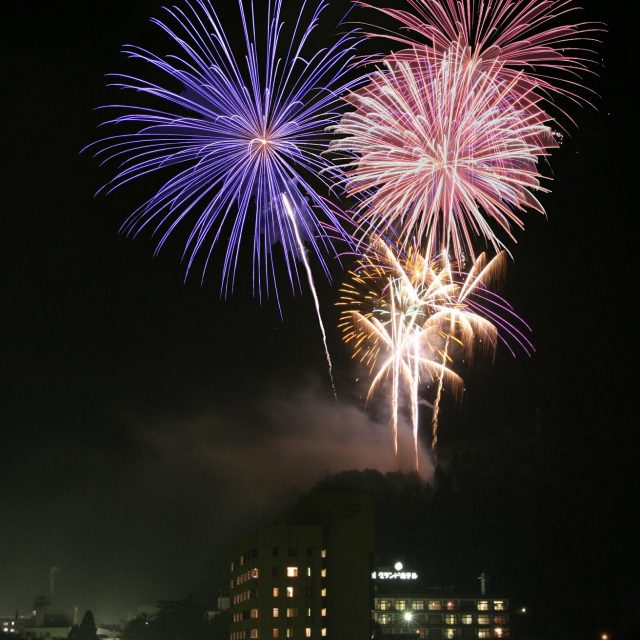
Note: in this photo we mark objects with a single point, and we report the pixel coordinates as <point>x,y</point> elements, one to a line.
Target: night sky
<point>145,420</point>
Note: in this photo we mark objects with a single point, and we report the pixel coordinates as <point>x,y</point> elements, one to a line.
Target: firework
<point>407,318</point>
<point>441,150</point>
<point>536,41</point>
<point>242,125</point>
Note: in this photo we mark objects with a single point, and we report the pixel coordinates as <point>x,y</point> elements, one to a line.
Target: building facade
<point>435,616</point>
<point>307,575</point>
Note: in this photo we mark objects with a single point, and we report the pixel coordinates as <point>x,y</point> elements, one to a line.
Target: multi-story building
<point>437,615</point>
<point>307,575</point>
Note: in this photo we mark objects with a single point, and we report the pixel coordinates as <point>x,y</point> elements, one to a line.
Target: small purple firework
<point>245,131</point>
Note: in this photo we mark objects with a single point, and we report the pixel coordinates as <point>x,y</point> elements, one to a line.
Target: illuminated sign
<point>394,575</point>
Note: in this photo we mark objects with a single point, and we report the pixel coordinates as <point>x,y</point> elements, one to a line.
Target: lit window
<point>323,632</point>
<point>254,633</point>
<point>323,592</point>
<point>483,619</point>
<point>484,633</point>
<point>254,613</point>
<point>483,605</point>
<point>435,605</point>
<point>275,633</point>
<point>383,605</point>
<point>467,618</point>
<point>418,605</point>
<point>292,572</point>
<point>450,618</point>
<point>289,592</point>
<point>499,619</point>
<point>307,632</point>
<point>309,571</point>
<point>323,612</point>
<point>276,592</point>
<point>292,613</point>
<point>323,553</point>
<point>451,605</point>
<point>290,633</point>
<point>450,633</point>
<point>308,612</point>
<point>401,605</point>
<point>384,618</point>
<point>275,612</point>
<point>254,573</point>
<point>498,632</point>
<point>498,605</point>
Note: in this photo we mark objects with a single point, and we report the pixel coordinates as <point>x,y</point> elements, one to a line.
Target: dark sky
<point>143,418</point>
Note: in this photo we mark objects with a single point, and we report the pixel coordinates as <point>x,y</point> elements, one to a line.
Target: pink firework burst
<point>537,37</point>
<point>442,148</point>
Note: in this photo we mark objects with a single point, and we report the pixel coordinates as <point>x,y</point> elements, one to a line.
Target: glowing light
<point>440,151</point>
<point>408,317</point>
<point>408,616</point>
<point>233,130</point>
<point>398,566</point>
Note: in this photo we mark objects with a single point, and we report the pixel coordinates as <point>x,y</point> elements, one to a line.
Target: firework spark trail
<point>537,39</point>
<point>241,122</point>
<point>312,286</point>
<point>440,151</point>
<point>402,310</point>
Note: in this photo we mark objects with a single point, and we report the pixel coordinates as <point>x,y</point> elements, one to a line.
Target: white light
<point>408,616</point>
<point>398,566</point>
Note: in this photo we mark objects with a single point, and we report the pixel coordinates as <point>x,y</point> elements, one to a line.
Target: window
<point>499,619</point>
<point>292,613</point>
<point>308,612</point>
<point>233,566</point>
<point>290,633</point>
<point>323,632</point>
<point>467,618</point>
<point>292,572</point>
<point>323,592</point>
<point>309,571</point>
<point>254,613</point>
<point>451,605</point>
<point>483,619</point>
<point>275,612</point>
<point>323,553</point>
<point>275,633</point>
<point>483,605</point>
<point>385,618</point>
<point>241,560</point>
<point>498,632</point>
<point>435,605</point>
<point>254,633</point>
<point>401,605</point>
<point>484,633</point>
<point>323,573</point>
<point>289,592</point>
<point>323,612</point>
<point>384,605</point>
<point>255,573</point>
<point>450,618</point>
<point>276,592</point>
<point>307,632</point>
<point>418,605</point>
<point>450,633</point>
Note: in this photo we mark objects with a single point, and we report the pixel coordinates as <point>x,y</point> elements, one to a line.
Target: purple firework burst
<point>245,127</point>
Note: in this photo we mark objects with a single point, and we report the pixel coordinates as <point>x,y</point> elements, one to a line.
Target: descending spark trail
<point>312,286</point>
<point>402,311</point>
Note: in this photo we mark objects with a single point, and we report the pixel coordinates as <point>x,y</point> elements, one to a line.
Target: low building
<point>402,609</point>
